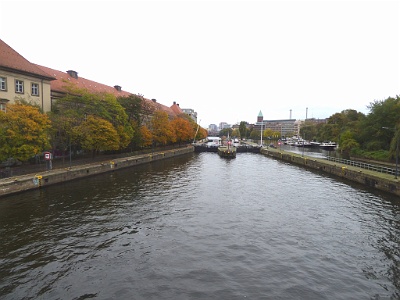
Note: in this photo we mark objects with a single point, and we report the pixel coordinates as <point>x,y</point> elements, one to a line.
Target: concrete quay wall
<point>383,182</point>
<point>34,181</point>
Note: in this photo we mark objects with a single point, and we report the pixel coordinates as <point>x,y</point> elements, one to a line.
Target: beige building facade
<point>15,86</point>
<point>22,80</point>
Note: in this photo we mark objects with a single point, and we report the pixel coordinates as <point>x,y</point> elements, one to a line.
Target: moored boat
<point>328,145</point>
<point>228,150</point>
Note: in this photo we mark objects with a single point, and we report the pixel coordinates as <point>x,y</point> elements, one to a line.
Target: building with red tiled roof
<point>47,85</point>
<point>59,86</point>
<point>20,79</point>
<point>176,109</point>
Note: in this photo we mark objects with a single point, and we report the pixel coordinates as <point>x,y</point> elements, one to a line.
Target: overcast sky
<point>227,60</point>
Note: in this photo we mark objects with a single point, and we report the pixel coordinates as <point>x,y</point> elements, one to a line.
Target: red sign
<point>47,155</point>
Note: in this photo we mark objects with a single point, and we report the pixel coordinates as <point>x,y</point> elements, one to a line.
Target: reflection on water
<point>201,227</point>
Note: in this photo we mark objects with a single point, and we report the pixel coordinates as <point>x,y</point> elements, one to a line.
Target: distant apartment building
<point>286,127</point>
<point>213,129</point>
<point>191,113</point>
<point>224,125</point>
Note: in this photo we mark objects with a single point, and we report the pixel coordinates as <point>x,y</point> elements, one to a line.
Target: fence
<point>362,165</point>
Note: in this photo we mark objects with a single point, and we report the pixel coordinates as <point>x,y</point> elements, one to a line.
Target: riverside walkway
<point>371,176</point>
<point>32,177</point>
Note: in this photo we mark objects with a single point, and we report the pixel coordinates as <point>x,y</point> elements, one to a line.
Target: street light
<point>397,149</point>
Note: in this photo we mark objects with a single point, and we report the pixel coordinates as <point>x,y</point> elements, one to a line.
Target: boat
<point>228,150</point>
<point>328,145</point>
<point>303,143</point>
<point>315,144</point>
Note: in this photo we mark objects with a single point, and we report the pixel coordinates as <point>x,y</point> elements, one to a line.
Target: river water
<point>201,227</point>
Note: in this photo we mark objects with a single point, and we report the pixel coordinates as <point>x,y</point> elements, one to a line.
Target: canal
<point>201,227</point>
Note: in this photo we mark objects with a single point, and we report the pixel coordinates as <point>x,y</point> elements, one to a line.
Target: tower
<point>260,117</point>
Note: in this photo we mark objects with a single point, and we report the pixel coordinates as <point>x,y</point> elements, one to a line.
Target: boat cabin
<point>213,141</point>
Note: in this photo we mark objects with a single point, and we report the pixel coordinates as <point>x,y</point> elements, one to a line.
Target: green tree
<point>255,135</point>
<point>23,132</point>
<point>268,133</point>
<point>139,112</point>
<point>373,135</point>
<point>61,132</point>
<point>347,143</point>
<point>77,105</point>
<point>243,129</point>
<point>225,132</point>
<point>236,133</point>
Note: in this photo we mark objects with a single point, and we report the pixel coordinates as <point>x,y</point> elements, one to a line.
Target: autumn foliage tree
<point>146,137</point>
<point>139,112</point>
<point>23,132</point>
<point>71,113</point>
<point>97,134</point>
<point>183,130</point>
<point>163,132</point>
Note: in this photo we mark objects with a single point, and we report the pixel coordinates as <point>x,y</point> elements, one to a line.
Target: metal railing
<point>362,165</point>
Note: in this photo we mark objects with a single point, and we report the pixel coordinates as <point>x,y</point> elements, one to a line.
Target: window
<point>3,104</point>
<point>3,84</point>
<point>19,86</point>
<point>35,89</point>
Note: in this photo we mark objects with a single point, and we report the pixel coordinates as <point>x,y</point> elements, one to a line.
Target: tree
<point>243,129</point>
<point>225,132</point>
<point>236,133</point>
<point>255,135</point>
<point>347,143</point>
<point>23,132</point>
<point>162,130</point>
<point>78,104</point>
<point>97,134</point>
<point>183,129</point>
<point>147,137</point>
<point>201,134</point>
<point>268,133</point>
<point>61,132</point>
<point>385,113</point>
<point>309,130</point>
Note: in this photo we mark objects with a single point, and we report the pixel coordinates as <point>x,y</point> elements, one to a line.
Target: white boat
<point>328,145</point>
<point>303,143</point>
<point>315,144</point>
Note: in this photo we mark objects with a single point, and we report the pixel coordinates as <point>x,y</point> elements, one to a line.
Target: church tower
<point>260,117</point>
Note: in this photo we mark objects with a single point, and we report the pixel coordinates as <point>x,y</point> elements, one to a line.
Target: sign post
<point>48,158</point>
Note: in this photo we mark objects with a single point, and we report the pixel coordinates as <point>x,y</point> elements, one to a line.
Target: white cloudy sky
<point>225,59</point>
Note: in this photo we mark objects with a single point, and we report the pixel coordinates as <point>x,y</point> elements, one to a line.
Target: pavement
<point>59,163</point>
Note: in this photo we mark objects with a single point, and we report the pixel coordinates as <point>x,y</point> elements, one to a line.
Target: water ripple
<point>200,227</point>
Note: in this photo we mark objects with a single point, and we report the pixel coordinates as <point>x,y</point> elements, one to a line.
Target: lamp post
<point>397,157</point>
<point>397,149</point>
<point>261,142</point>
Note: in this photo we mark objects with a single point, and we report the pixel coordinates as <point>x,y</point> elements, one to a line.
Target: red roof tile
<point>13,61</point>
<point>63,79</point>
<point>176,109</point>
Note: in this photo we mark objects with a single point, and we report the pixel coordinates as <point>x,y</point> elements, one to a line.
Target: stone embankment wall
<point>33,181</point>
<point>383,182</point>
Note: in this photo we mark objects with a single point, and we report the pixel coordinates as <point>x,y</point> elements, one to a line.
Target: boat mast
<point>197,130</point>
